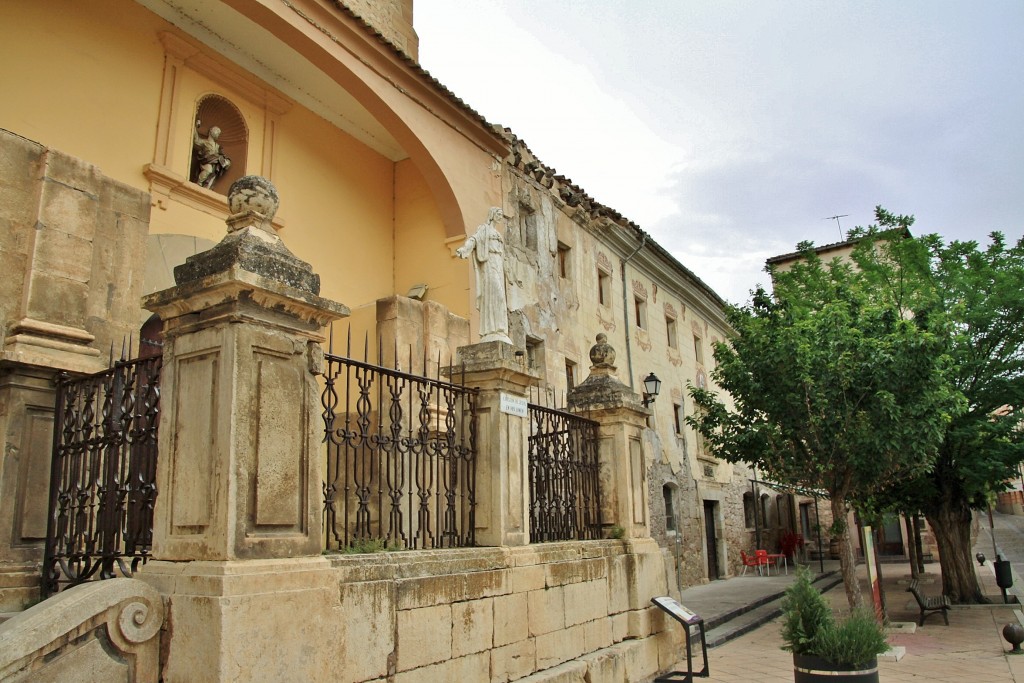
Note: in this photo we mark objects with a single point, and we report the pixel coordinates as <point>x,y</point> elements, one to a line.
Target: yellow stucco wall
<point>422,255</point>
<point>84,79</point>
<point>93,85</point>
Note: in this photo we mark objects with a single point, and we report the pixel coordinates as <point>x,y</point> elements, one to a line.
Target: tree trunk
<point>847,559</point>
<point>911,547</point>
<point>952,525</point>
<point>917,543</point>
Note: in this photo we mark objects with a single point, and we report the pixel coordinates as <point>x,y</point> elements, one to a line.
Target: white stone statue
<point>488,249</point>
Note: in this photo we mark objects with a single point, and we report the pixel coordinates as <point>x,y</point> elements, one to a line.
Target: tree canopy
<point>978,291</point>
<point>834,387</point>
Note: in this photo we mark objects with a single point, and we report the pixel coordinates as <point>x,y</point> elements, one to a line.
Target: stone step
<point>738,622</point>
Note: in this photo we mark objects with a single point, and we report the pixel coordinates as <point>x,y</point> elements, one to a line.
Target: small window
<point>570,374</point>
<point>604,288</point>
<point>677,411</point>
<point>701,440</point>
<point>765,500</point>
<point>535,353</point>
<point>640,310</point>
<point>529,228</point>
<point>670,326</point>
<point>563,261</point>
<point>698,349</point>
<point>748,510</point>
<point>670,515</point>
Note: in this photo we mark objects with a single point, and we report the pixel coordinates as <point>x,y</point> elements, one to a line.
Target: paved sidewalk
<point>716,598</point>
<point>971,648</point>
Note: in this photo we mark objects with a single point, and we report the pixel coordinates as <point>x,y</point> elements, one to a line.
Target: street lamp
<point>652,385</point>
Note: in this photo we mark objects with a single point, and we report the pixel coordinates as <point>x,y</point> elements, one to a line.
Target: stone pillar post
<point>239,469</point>
<point>502,487</point>
<point>239,434</point>
<point>622,419</point>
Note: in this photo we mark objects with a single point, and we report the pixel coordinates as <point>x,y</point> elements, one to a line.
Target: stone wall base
<point>551,612</point>
<point>19,586</point>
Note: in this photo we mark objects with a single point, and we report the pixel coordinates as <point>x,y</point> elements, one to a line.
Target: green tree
<point>979,292</point>
<point>833,388</point>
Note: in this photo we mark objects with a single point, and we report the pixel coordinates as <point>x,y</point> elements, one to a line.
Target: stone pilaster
<point>502,486</point>
<point>622,418</point>
<point>72,245</point>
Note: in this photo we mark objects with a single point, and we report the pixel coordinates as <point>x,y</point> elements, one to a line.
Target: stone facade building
<point>121,131</point>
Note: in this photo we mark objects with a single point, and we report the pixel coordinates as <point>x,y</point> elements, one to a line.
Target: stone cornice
<point>236,285</point>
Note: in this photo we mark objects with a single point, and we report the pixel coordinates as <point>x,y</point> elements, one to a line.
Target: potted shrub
<point>826,651</point>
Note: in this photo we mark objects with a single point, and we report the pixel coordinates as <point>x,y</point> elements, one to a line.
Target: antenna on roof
<point>836,219</point>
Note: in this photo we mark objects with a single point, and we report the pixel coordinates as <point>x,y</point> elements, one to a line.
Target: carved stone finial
<point>602,354</point>
<point>251,243</point>
<point>253,202</point>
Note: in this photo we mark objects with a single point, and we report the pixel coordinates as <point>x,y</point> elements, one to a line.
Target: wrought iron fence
<point>565,491</point>
<point>401,457</point>
<point>103,474</point>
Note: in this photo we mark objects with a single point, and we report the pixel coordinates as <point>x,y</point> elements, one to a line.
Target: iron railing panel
<point>565,490</point>
<point>103,474</point>
<point>401,458</point>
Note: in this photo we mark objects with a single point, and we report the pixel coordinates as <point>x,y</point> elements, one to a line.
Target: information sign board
<point>676,610</point>
<point>513,405</point>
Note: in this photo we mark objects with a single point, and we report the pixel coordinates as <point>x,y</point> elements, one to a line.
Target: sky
<point>731,130</point>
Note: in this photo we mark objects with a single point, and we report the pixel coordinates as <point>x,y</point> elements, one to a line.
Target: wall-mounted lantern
<point>652,385</point>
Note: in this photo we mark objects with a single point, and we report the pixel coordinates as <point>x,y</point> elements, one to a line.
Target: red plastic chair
<point>761,558</point>
<point>749,561</point>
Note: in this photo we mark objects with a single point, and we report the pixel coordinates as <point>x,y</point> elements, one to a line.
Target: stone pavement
<point>971,648</point>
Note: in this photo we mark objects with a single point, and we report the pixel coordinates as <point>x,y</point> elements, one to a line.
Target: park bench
<point>939,603</point>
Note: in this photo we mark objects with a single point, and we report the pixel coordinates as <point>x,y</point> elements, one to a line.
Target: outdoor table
<point>775,557</point>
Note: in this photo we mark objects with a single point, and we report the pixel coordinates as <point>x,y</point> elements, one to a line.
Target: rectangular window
<point>563,260</point>
<point>670,325</point>
<point>677,411</point>
<point>640,308</point>
<point>535,353</point>
<point>701,441</point>
<point>698,349</point>
<point>570,374</point>
<point>604,288</point>
<point>527,227</point>
<point>670,515</point>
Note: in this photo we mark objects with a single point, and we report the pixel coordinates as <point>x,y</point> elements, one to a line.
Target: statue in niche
<point>488,249</point>
<point>210,161</point>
